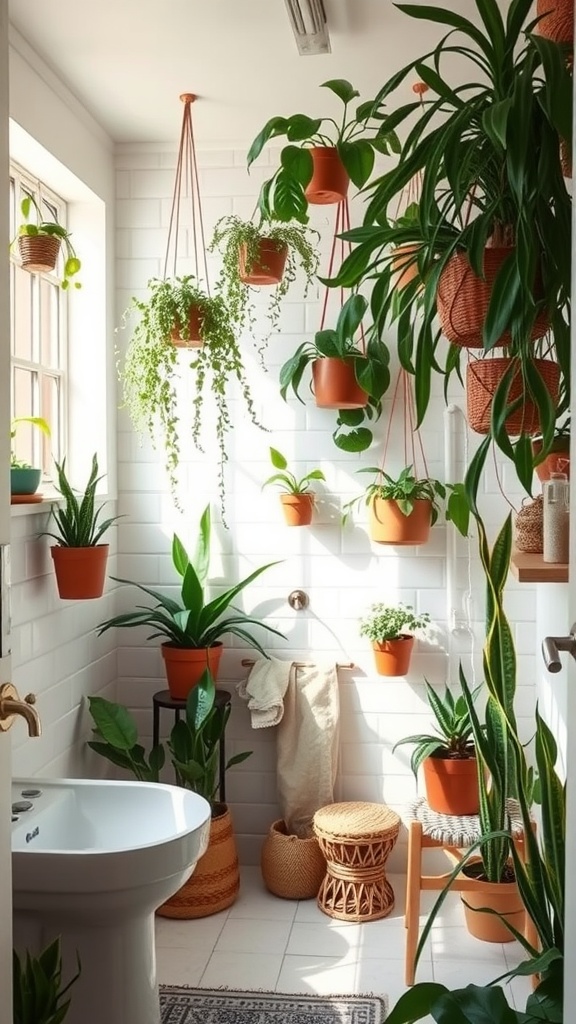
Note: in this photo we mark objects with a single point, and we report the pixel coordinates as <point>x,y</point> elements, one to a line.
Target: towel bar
<point>249,662</point>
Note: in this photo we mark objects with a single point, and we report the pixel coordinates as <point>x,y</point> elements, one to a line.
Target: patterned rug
<point>181,1005</point>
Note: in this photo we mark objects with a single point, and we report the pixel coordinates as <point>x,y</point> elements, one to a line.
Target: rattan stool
<point>356,839</point>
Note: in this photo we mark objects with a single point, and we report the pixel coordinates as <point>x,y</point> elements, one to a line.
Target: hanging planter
<point>330,181</point>
<point>191,337</point>
<point>483,377</point>
<point>390,525</point>
<point>462,299</point>
<point>556,20</point>
<point>39,253</point>
<point>185,666</point>
<point>267,265</point>
<point>335,385</point>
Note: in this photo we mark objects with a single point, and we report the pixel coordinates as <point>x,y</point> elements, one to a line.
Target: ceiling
<point>127,61</point>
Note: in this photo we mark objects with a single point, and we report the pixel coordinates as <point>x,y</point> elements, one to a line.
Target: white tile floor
<point>263,942</point>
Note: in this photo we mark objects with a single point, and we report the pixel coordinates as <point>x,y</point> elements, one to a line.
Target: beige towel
<point>307,735</point>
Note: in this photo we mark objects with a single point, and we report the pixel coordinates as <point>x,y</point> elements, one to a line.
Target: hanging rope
<point>341,225</point>
<point>412,436</point>
<point>187,187</point>
<point>413,189</point>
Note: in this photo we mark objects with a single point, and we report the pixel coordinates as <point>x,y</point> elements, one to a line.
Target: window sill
<point>35,508</point>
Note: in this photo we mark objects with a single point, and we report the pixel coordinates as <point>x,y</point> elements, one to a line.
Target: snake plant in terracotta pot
<point>40,996</point>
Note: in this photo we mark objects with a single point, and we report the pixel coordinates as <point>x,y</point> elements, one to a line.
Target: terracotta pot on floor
<point>292,868</point>
<point>80,572</point>
<point>452,784</point>
<point>392,657</point>
<point>297,509</point>
<point>330,179</point>
<point>215,883</point>
<point>389,525</point>
<point>193,339</point>
<point>502,897</point>
<point>184,666</point>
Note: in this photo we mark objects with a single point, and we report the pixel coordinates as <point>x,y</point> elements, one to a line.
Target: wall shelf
<point>528,568</point>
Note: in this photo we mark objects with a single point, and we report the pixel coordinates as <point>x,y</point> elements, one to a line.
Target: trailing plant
<point>357,137</point>
<point>286,480</point>
<point>36,421</point>
<point>38,991</point>
<point>454,734</point>
<point>370,369</point>
<point>388,622</point>
<point>407,488</point>
<point>491,173</point>
<point>32,229</point>
<point>193,621</point>
<point>232,234</point>
<point>78,520</point>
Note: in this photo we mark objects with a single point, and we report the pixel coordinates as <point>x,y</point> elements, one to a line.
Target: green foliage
<point>407,488</point>
<point>474,1004</point>
<point>286,480</point>
<point>230,234</point>
<point>194,742</point>
<point>388,622</point>
<point>193,622</point>
<point>72,265</point>
<point>453,729</point>
<point>370,369</point>
<point>78,521</point>
<point>357,138</point>
<point>36,421</point>
<point>38,992</point>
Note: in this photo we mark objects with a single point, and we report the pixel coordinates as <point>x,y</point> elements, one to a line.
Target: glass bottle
<point>556,518</point>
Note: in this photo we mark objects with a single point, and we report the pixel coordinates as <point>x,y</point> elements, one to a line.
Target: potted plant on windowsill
<point>298,499</point>
<point>39,244</point>
<point>24,478</point>
<point>79,557</point>
<point>448,759</point>
<point>37,988</point>
<point>192,627</point>
<point>327,155</point>
<point>392,629</point>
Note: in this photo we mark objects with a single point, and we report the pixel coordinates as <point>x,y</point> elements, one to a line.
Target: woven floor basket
<point>215,883</point>
<point>558,20</point>
<point>482,379</point>
<point>462,299</point>
<point>39,252</point>
<point>291,867</point>
<point>529,527</point>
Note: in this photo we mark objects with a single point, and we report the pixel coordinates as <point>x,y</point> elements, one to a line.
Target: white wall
<point>340,569</point>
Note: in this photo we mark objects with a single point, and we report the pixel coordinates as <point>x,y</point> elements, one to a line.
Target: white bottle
<point>556,518</point>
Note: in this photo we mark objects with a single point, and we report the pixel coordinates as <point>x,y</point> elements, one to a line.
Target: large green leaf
<point>300,127</point>
<point>114,722</point>
<point>297,162</point>
<point>341,88</point>
<point>275,126</point>
<point>358,159</point>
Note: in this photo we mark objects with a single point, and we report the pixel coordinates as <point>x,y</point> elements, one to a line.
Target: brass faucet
<point>11,705</point>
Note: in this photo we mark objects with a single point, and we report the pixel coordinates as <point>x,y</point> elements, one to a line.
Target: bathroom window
<point>38,335</point>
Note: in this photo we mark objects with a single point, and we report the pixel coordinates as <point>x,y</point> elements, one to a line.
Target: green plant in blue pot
<point>24,478</point>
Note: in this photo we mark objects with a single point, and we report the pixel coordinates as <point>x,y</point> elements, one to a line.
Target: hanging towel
<point>264,691</point>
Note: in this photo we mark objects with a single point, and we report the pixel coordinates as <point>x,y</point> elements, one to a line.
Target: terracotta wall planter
<point>558,21</point>
<point>462,299</point>
<point>404,266</point>
<point>335,384</point>
<point>558,460</point>
<point>297,508</point>
<point>330,179</point>
<point>452,784</point>
<point>502,897</point>
<point>482,379</point>
<point>39,252</point>
<point>184,666</point>
<point>80,572</point>
<point>392,657</point>
<point>388,525</point>
<point>194,339</point>
<point>215,883</point>
<point>292,868</point>
<point>268,265</point>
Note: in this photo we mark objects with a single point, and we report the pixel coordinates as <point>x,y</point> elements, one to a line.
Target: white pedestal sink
<point>91,861</point>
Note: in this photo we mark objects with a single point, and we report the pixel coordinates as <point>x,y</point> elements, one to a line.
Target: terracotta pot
<point>195,323</point>
<point>452,784</point>
<point>483,377</point>
<point>557,461</point>
<point>557,22</point>
<point>389,525</point>
<point>335,384</point>
<point>39,252</point>
<point>184,666</point>
<point>403,266</point>
<point>292,868</point>
<point>329,183</point>
<point>462,299</point>
<point>297,508</point>
<point>502,897</point>
<point>392,657</point>
<point>215,883</point>
<point>80,572</point>
<point>268,265</point>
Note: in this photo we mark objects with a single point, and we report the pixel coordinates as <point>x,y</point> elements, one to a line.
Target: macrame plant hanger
<point>187,191</point>
<point>404,258</point>
<point>414,454</point>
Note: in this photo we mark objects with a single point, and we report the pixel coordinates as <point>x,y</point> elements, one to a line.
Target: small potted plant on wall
<point>392,629</point>
<point>448,758</point>
<point>401,510</point>
<point>79,557</point>
<point>193,626</point>
<point>40,241</point>
<point>298,500</point>
<point>24,478</point>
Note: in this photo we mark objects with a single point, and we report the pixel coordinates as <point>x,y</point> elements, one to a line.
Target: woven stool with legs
<point>428,829</point>
<point>356,839</point>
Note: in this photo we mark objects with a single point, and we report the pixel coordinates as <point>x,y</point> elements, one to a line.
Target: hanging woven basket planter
<point>330,181</point>
<point>192,336</point>
<point>267,267</point>
<point>389,525</point>
<point>335,385</point>
<point>556,20</point>
<point>39,253</point>
<point>482,379</point>
<point>462,299</point>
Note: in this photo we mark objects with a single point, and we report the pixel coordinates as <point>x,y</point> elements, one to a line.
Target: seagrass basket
<point>215,883</point>
<point>39,252</point>
<point>529,527</point>
<point>482,379</point>
<point>558,20</point>
<point>292,868</point>
<point>462,299</point>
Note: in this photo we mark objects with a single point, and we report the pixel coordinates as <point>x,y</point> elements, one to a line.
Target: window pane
<point>24,394</point>
<point>22,313</point>
<point>51,411</point>
<point>49,347</point>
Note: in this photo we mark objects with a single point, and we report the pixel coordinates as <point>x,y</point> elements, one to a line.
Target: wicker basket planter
<point>292,868</point>
<point>482,379</point>
<point>215,883</point>
<point>39,252</point>
<point>529,527</point>
<point>557,22</point>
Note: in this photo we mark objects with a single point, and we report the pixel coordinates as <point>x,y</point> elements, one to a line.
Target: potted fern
<point>297,500</point>
<point>79,557</point>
